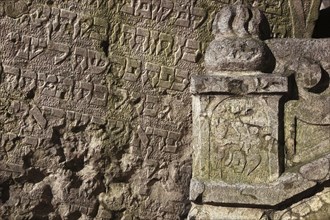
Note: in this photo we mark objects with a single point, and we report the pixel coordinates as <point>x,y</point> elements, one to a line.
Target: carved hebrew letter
<point>165,43</point>
<point>132,70</point>
<point>37,47</point>
<point>80,59</point>
<point>41,16</point>
<point>128,7</point>
<point>150,108</point>
<point>55,25</point>
<point>183,16</point>
<point>143,8</point>
<point>24,50</point>
<point>100,95</point>
<point>122,99</point>
<point>50,86</point>
<point>86,24</point>
<point>68,89</point>
<point>128,34</point>
<point>60,47</point>
<point>36,113</point>
<point>153,38</point>
<point>143,33</point>
<point>30,80</point>
<point>162,134</point>
<point>192,51</point>
<point>166,77</point>
<point>181,80</point>
<point>171,141</point>
<point>161,9</point>
<point>179,42</point>
<point>67,21</point>
<point>97,62</point>
<point>100,29</point>
<point>200,13</point>
<point>153,71</point>
<point>118,65</point>
<point>12,75</point>
<point>85,90</point>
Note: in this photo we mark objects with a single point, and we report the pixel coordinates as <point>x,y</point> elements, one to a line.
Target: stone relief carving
<point>301,117</point>
<point>239,154</point>
<point>95,109</point>
<point>236,125</point>
<point>236,45</point>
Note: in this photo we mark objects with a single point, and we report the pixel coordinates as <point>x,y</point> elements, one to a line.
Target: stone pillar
<point>235,117</point>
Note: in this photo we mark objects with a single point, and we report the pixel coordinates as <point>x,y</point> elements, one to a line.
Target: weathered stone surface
<point>310,113</point>
<point>237,47</point>
<point>316,207</point>
<point>235,138</point>
<point>95,112</point>
<point>239,83</point>
<point>208,212</point>
<point>316,170</point>
<point>276,192</point>
<point>224,54</point>
<point>287,60</point>
<point>227,111</point>
<point>95,109</point>
<point>304,14</point>
<point>301,116</point>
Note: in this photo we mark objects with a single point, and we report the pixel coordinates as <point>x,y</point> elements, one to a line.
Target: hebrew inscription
<point>260,135</point>
<point>95,109</point>
<point>245,155</point>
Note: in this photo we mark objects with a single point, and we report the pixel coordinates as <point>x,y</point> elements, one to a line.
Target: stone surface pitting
<point>315,207</point>
<point>235,112</point>
<point>260,140</point>
<point>95,110</point>
<point>236,138</point>
<point>239,83</point>
<point>237,45</point>
<point>304,14</point>
<point>271,194</point>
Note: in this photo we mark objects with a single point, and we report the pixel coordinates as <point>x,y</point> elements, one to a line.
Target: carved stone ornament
<point>237,46</point>
<point>239,155</point>
<point>310,114</point>
<point>163,109</point>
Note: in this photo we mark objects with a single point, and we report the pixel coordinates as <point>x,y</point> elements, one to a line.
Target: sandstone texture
<point>163,109</point>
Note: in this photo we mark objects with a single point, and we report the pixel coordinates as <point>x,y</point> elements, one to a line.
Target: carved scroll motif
<point>301,117</point>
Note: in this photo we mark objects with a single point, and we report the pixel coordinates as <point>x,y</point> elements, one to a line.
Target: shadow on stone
<point>322,27</point>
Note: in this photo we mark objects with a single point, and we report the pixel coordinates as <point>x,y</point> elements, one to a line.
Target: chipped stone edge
<point>284,188</point>
<point>253,83</point>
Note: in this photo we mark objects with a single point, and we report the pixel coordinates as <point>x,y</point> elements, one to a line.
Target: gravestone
<point>261,136</point>
<point>97,119</point>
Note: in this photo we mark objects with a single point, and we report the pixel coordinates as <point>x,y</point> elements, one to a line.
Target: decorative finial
<point>238,31</point>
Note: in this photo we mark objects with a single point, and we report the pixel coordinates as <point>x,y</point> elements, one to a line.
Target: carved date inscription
<point>242,139</point>
<point>94,106</point>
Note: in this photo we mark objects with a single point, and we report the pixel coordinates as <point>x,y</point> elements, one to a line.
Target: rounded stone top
<point>239,30</point>
<point>241,20</point>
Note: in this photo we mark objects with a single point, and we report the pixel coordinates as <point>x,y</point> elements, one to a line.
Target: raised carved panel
<point>95,108</point>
